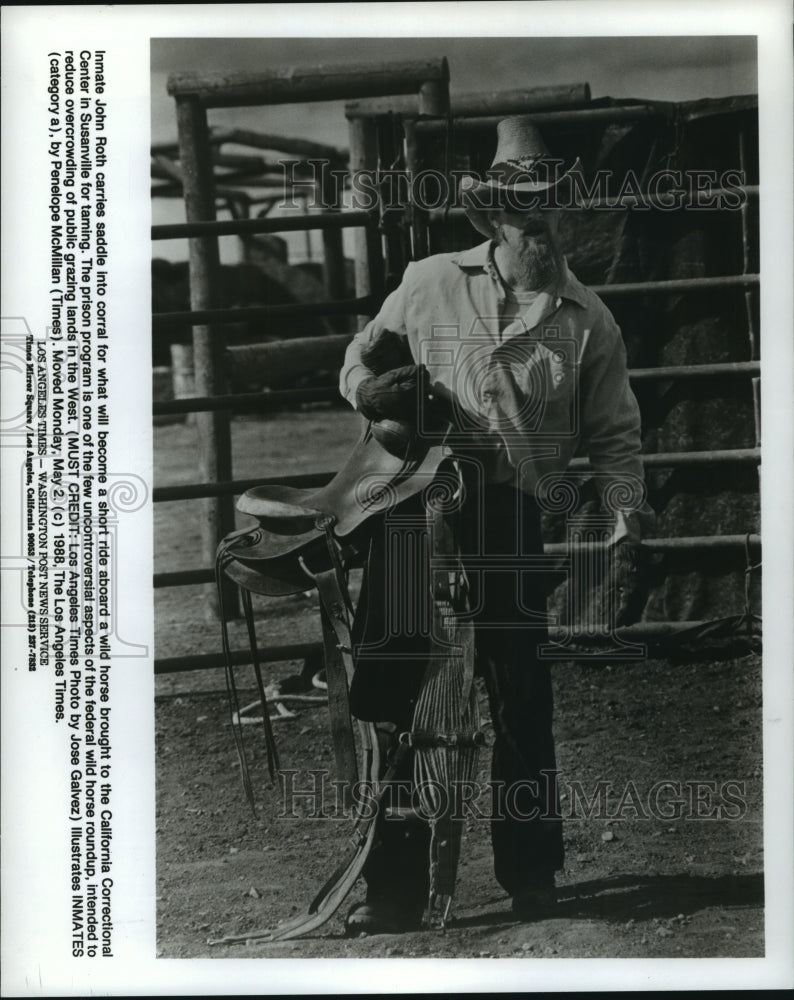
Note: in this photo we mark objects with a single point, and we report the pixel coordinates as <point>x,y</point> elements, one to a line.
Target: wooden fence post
<point>369,252</point>
<point>333,249</point>
<point>433,100</point>
<point>213,429</point>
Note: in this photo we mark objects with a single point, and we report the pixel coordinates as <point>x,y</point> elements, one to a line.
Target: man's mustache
<point>535,228</point>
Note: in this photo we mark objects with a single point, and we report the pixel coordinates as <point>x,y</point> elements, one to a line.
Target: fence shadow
<point>643,897</point>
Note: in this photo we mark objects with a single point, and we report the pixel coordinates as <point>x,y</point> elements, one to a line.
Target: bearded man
<point>533,367</point>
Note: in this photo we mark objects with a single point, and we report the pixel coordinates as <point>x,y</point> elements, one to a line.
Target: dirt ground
<point>636,883</point>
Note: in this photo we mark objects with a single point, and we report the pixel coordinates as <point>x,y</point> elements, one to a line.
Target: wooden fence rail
<point>297,84</point>
<point>502,102</point>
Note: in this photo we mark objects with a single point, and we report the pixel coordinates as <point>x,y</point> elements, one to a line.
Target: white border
<point>31,958</point>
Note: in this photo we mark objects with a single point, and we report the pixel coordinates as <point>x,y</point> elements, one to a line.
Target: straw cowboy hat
<point>522,176</point>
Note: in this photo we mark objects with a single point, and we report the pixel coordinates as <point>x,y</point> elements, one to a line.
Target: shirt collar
<point>479,258</point>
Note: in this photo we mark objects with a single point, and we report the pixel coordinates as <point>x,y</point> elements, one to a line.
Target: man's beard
<point>535,263</point>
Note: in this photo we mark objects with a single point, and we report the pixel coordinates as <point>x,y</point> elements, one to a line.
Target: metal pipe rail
<point>660,200</point>
<point>679,285</point>
<point>271,224</point>
<point>297,84</point>
<point>223,317</point>
<point>300,651</point>
<point>365,305</point>
<point>703,543</point>
<point>678,459</point>
<point>196,491</point>
<point>727,369</point>
<point>192,491</point>
<point>239,657</point>
<point>252,401</point>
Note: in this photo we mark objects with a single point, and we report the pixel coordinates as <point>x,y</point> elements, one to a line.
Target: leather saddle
<point>292,523</point>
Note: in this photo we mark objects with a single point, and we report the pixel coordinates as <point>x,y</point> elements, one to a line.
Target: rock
<point>253,893</point>
<point>608,835</point>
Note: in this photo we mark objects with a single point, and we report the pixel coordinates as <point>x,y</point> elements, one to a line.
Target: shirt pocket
<point>543,378</point>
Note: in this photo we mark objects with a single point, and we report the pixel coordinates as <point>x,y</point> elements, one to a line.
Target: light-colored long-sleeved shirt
<point>535,378</point>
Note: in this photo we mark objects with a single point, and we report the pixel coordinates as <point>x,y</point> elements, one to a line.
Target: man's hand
<point>394,395</point>
<point>628,581</point>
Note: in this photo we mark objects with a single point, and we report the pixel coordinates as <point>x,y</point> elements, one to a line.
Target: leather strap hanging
<point>336,889</point>
<point>445,730</point>
<point>223,559</point>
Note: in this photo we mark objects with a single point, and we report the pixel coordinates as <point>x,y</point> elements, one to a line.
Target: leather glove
<point>388,350</point>
<point>393,395</point>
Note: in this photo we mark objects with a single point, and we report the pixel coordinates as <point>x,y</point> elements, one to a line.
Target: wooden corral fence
<point>399,115</point>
